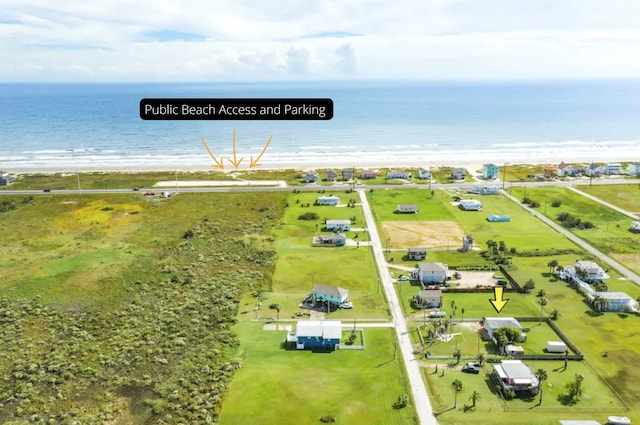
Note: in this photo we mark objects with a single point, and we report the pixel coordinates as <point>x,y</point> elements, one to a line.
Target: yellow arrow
<point>497,302</point>
<point>235,162</point>
<point>219,164</point>
<point>254,163</point>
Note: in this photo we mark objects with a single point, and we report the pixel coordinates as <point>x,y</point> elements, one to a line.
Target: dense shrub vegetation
<point>164,352</point>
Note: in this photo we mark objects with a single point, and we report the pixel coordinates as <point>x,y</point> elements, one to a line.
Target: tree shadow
<point>566,400</point>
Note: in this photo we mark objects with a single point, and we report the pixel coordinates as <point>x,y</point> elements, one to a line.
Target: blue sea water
<point>97,126</point>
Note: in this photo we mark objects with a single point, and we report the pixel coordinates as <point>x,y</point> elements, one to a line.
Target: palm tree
<point>541,374</point>
<point>480,358</point>
<point>475,396</point>
<point>457,354</point>
<point>462,314</point>
<point>541,293</point>
<point>552,265</point>
<point>457,386</point>
<point>529,285</point>
<point>542,301</point>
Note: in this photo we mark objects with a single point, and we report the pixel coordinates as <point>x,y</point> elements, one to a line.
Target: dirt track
<point>425,234</point>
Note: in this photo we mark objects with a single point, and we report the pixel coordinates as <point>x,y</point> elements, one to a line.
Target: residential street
<point>418,390</point>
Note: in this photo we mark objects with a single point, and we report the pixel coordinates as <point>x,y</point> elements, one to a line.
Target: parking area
<point>474,279</point>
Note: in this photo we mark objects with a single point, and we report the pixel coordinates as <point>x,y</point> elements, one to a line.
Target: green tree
<point>480,358</point>
<point>457,387</point>
<point>552,265</point>
<point>529,286</point>
<point>542,301</point>
<point>457,354</point>
<point>541,374</point>
<point>541,293</point>
<point>475,396</point>
<point>574,388</point>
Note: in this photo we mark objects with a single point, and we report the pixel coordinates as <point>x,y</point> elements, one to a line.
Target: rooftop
<point>501,322</point>
<point>516,371</point>
<point>335,291</point>
<point>328,329</point>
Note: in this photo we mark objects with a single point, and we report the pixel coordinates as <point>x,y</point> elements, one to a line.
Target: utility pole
<point>504,174</point>
<point>78,178</point>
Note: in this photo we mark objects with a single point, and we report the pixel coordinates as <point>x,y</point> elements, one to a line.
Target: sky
<point>265,40</point>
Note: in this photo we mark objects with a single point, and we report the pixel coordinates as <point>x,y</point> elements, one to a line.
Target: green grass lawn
<point>597,398</point>
<point>277,386</point>
<point>385,202</point>
<point>626,197</point>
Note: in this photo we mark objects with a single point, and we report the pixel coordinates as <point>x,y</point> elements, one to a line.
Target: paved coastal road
<point>420,397</point>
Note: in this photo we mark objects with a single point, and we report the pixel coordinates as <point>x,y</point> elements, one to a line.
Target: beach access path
<point>421,400</point>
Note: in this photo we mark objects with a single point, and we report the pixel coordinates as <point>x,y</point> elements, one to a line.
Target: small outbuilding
<point>407,209</point>
<point>328,200</point>
<point>417,253</point>
<point>514,350</point>
<point>556,347</point>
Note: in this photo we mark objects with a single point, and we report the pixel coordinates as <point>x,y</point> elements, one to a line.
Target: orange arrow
<point>497,302</point>
<point>235,162</point>
<point>254,163</point>
<point>219,164</point>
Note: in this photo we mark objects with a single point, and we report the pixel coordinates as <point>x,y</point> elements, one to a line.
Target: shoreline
<point>471,166</point>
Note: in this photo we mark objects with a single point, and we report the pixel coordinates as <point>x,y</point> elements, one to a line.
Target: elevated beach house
<point>633,169</point>
<point>516,376</point>
<point>337,239</point>
<point>329,293</point>
<point>417,253</point>
<point>424,174</point>
<point>332,176</point>
<point>428,298</point>
<point>5,178</point>
<point>339,225</point>
<point>470,205</point>
<point>396,174</point>
<point>490,171</point>
<point>430,273</point>
<point>316,334</point>
<point>565,170</point>
<point>407,209</point>
<point>459,173</point>
<point>613,168</point>
<point>347,174</point>
<point>311,177</point>
<point>328,200</point>
<point>594,170</point>
<point>367,174</point>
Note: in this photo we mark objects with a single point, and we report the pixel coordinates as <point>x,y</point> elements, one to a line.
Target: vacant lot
<point>427,234</point>
<point>624,196</point>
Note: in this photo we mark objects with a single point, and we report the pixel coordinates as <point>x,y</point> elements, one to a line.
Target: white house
<point>594,170</point>
<point>491,324</point>
<point>6,178</point>
<point>565,170</point>
<point>593,272</point>
<point>485,190</point>
<point>431,273</point>
<point>424,174</point>
<point>635,226</point>
<point>395,174</point>
<point>634,169</point>
<point>516,375</point>
<point>470,205</point>
<point>459,173</point>
<point>617,301</point>
<point>328,200</point>
<point>613,168</point>
<point>407,209</point>
<point>342,225</point>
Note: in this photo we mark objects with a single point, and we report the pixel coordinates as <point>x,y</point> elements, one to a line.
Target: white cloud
<point>326,39</point>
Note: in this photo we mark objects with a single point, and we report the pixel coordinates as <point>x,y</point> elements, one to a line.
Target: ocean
<point>68,127</point>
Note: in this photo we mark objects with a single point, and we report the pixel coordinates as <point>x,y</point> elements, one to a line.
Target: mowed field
<point>280,387</point>
<point>427,234</point>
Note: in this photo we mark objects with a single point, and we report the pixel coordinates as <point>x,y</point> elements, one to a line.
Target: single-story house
<point>490,171</point>
<point>337,239</point>
<point>342,225</point>
<point>613,168</point>
<point>311,177</point>
<point>417,253</point>
<point>368,174</point>
<point>407,209</point>
<point>634,169</point>
<point>498,218</point>
<point>347,173</point>
<point>516,375</point>
<point>459,173</point>
<point>332,176</point>
<point>470,205</point>
<point>513,350</point>
<point>5,178</point>
<point>493,323</point>
<point>316,334</point>
<point>328,200</point>
<point>395,174</point>
<point>329,293</point>
<point>424,174</point>
<point>594,170</point>
<point>485,190</point>
<point>593,271</point>
<point>618,301</point>
<point>432,273</point>
<point>635,226</point>
<point>429,298</point>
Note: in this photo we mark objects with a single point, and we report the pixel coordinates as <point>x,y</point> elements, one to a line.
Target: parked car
<point>403,278</point>
<point>468,368</point>
<point>346,305</point>
<point>47,190</point>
